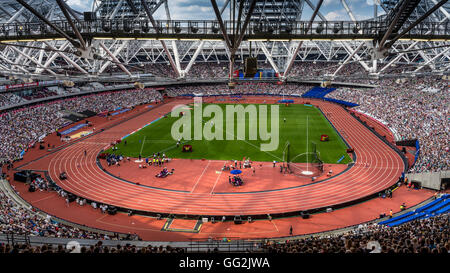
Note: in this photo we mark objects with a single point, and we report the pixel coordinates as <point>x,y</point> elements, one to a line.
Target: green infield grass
<point>300,125</point>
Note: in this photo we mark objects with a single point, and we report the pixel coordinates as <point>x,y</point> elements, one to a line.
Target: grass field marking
<point>200,177</point>
<point>163,141</point>
<point>253,145</point>
<point>257,119</point>
<point>159,139</point>
<point>172,147</point>
<point>142,147</point>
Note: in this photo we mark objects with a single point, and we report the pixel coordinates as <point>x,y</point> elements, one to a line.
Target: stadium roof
<point>54,38</point>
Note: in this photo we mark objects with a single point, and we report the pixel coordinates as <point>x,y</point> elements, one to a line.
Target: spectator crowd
<point>93,249</point>
<point>242,88</point>
<point>422,236</point>
<point>20,221</point>
<point>415,108</point>
<point>21,127</point>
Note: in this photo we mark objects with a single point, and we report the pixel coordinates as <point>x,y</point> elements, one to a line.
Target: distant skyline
<point>333,10</point>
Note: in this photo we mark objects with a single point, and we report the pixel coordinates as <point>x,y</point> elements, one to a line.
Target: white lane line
<point>142,147</point>
<point>200,177</point>
<point>212,190</point>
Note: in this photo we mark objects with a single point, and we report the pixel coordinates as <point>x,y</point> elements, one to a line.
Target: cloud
<point>187,3</point>
<point>189,10</point>
<point>82,5</point>
<point>338,15</point>
<point>332,16</point>
<point>202,9</point>
<point>330,2</point>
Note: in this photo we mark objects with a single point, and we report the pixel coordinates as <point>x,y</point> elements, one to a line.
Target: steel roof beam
<point>32,59</point>
<point>116,9</point>
<point>113,56</point>
<point>192,60</point>
<point>63,8</point>
<point>348,59</point>
<point>132,6</point>
<point>432,59</point>
<point>268,56</point>
<point>294,56</point>
<point>418,21</point>
<point>221,24</point>
<point>42,18</point>
<point>69,60</point>
<point>155,26</point>
<point>394,22</point>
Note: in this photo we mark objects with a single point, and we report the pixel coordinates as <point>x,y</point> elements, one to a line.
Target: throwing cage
<point>306,164</point>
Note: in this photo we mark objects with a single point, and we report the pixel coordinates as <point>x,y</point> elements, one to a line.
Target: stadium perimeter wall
<point>430,180</point>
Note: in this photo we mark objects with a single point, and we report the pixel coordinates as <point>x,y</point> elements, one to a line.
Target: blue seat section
<point>443,210</point>
<point>286,101</point>
<point>429,205</point>
<point>343,102</point>
<point>438,206</point>
<point>407,219</point>
<point>318,92</point>
<point>396,218</point>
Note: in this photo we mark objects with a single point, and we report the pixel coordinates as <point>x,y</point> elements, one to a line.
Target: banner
<point>31,84</point>
<point>73,129</point>
<point>120,112</point>
<point>21,85</point>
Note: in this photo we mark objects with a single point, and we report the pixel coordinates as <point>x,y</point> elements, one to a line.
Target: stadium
<point>249,126</point>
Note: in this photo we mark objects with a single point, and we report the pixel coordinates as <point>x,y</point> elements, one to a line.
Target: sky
<point>333,10</point>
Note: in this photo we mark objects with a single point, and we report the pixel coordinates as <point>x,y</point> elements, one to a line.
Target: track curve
<point>377,167</point>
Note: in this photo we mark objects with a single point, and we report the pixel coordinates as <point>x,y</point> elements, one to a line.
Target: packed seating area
<point>421,236</point>
<point>353,71</point>
<point>10,99</point>
<point>242,88</point>
<point>37,94</point>
<point>163,70</point>
<point>299,69</point>
<point>210,70</point>
<point>415,109</point>
<point>20,221</point>
<point>23,126</point>
<point>20,97</point>
<point>316,69</point>
<point>93,249</point>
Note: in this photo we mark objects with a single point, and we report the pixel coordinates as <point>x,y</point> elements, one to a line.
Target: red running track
<point>377,167</point>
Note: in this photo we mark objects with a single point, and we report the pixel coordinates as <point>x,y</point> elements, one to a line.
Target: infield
<point>301,125</point>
